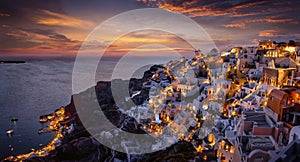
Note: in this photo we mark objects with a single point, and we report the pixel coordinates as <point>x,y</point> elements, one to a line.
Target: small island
<point>11,62</point>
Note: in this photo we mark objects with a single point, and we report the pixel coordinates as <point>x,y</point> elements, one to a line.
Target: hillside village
<point>238,105</point>
<point>246,109</point>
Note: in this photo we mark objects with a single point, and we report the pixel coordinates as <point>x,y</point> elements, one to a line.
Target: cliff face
<point>78,144</point>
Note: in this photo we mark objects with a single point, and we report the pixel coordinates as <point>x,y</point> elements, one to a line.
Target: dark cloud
<point>37,39</point>
<point>50,34</point>
<point>236,8</point>
<point>63,24</point>
<point>34,24</point>
<point>21,12</point>
<point>59,37</point>
<point>238,22</point>
<point>194,8</point>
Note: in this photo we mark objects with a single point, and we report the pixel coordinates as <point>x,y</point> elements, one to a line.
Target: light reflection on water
<point>38,87</point>
<point>28,91</point>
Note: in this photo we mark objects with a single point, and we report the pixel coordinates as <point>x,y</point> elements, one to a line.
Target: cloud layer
<point>60,26</point>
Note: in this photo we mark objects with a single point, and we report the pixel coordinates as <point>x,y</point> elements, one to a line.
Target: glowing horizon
<point>60,27</point>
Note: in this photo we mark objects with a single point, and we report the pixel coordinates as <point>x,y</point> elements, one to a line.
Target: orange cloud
<point>41,41</point>
<point>242,24</point>
<point>21,35</point>
<point>58,19</point>
<point>235,25</point>
<point>196,8</point>
<point>275,33</point>
<point>269,33</point>
<point>248,5</point>
<point>271,20</point>
<point>4,15</point>
<point>140,38</point>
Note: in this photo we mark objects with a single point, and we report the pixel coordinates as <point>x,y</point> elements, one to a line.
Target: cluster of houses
<point>178,103</point>
<point>262,107</point>
<point>248,111</point>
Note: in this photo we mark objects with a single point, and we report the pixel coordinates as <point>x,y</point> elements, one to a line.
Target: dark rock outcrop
<point>79,145</point>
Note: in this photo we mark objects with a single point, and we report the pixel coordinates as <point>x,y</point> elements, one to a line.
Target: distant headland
<point>11,62</point>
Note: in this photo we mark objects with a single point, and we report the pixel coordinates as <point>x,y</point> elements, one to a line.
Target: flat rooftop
<point>259,118</point>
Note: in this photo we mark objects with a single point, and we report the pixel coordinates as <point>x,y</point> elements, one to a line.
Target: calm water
<point>28,91</point>
<point>38,87</point>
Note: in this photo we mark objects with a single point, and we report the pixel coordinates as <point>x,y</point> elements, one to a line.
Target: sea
<point>42,85</point>
<point>28,90</point>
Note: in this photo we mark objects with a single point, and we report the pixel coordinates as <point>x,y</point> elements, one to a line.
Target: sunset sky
<point>58,27</point>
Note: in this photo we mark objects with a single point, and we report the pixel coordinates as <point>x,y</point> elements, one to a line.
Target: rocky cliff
<point>77,144</point>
